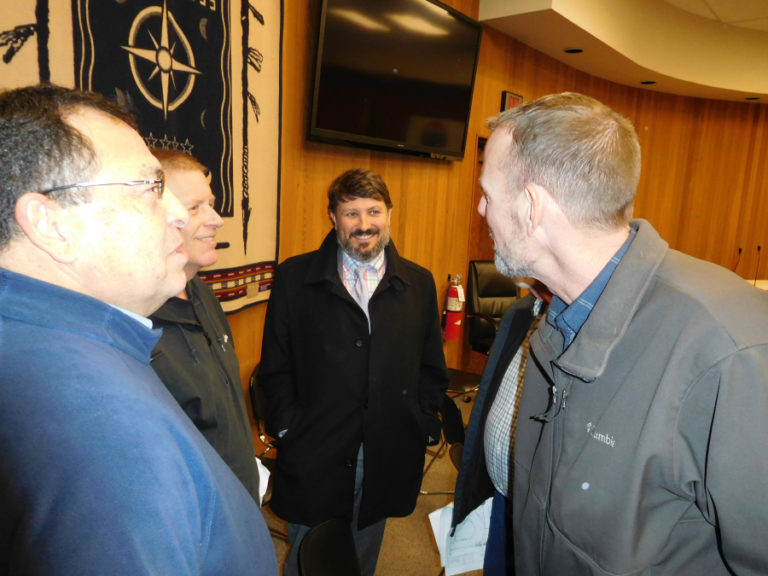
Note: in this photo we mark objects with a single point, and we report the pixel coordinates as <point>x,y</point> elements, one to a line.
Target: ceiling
<point>702,48</point>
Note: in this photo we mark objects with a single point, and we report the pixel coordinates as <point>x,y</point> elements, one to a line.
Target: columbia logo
<point>606,439</point>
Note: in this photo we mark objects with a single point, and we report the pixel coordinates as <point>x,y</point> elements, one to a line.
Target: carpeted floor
<point>409,547</point>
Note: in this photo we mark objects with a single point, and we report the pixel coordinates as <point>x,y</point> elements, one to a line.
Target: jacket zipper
<point>557,410</point>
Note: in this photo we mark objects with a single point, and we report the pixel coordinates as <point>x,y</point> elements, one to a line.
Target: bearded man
<point>353,370</point>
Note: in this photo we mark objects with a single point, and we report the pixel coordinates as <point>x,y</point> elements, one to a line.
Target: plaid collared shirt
<point>502,417</point>
<point>349,266</point>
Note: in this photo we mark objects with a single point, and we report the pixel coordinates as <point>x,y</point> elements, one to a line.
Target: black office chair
<point>328,549</point>
<point>453,430</point>
<point>462,384</point>
<point>452,439</point>
<point>489,294</point>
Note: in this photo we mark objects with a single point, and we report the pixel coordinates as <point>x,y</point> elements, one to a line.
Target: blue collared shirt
<point>569,319</point>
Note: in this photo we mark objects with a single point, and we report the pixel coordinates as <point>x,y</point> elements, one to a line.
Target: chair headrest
<point>489,282</point>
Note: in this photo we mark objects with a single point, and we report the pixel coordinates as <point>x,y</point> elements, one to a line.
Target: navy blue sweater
<point>101,472</point>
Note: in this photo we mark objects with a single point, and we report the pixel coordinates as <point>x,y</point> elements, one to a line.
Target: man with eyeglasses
<point>195,358</point>
<point>101,471</point>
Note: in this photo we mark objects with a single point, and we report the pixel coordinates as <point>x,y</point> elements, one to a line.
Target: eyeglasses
<point>158,185</point>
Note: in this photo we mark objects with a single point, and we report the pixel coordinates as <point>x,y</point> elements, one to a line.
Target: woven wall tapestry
<point>203,77</point>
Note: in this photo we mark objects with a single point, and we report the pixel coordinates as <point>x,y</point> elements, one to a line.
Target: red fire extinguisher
<point>454,308</point>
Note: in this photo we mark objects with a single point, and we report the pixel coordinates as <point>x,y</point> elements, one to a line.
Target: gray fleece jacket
<point>641,448</point>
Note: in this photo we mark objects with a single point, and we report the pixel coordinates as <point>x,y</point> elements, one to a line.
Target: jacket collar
<point>588,355</point>
<point>178,310</point>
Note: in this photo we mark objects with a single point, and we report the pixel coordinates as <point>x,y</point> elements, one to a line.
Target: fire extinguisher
<point>454,308</point>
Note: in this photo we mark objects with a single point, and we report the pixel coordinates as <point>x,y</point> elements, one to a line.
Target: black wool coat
<point>333,386</point>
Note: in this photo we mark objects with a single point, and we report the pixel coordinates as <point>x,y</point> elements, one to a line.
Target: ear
<point>332,216</point>
<point>42,221</point>
<point>537,197</point>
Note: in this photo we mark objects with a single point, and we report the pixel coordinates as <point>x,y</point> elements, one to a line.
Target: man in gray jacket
<point>643,421</point>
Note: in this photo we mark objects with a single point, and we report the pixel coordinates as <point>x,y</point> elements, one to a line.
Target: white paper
<point>465,550</point>
<point>263,480</point>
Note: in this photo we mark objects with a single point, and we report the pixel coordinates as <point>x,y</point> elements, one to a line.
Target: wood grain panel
<point>703,184</point>
<point>752,230</point>
<point>716,176</point>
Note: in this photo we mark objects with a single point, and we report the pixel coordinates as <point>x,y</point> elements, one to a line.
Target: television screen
<point>394,75</point>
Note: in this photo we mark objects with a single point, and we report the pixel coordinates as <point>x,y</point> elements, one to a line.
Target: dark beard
<point>368,255</point>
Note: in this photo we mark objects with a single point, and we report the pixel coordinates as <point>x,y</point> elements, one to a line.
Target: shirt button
<point>358,343</point>
<point>349,463</point>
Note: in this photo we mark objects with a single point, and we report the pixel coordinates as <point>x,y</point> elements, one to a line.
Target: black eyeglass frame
<point>157,182</point>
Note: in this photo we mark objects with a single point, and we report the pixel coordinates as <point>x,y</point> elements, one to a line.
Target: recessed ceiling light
<point>573,50</point>
<point>648,82</point>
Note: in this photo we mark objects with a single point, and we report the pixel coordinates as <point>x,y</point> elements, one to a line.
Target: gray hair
<point>583,152</point>
<point>39,149</point>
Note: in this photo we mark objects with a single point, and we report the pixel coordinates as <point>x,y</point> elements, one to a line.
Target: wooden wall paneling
<point>703,183</point>
<point>685,160</point>
<point>664,124</point>
<point>759,186</point>
<point>429,220</point>
<point>716,162</point>
<point>480,242</point>
<point>468,7</point>
<point>247,328</point>
<point>753,227</point>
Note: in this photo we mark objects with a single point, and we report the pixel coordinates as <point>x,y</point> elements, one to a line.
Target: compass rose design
<point>163,54</point>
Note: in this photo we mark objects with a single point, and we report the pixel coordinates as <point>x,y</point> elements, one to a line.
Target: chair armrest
<point>481,325</point>
<point>486,317</point>
<point>482,331</point>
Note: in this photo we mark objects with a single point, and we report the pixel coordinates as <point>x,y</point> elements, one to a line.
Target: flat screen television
<point>394,75</point>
